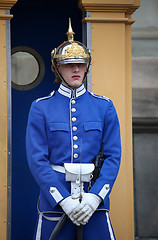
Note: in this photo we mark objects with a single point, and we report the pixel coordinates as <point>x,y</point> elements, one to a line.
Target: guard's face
<point>73,73</point>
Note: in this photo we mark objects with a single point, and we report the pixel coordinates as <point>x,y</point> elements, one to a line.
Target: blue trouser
<point>98,227</point>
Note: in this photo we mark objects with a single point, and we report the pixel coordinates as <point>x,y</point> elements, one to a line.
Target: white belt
<point>58,168</point>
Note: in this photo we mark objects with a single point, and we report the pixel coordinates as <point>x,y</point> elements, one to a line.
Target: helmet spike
<point>70,33</point>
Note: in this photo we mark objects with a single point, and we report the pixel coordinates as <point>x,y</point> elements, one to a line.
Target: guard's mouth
<point>76,76</point>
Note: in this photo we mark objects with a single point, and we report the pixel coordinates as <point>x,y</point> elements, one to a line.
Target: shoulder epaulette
<point>98,96</point>
<point>47,97</point>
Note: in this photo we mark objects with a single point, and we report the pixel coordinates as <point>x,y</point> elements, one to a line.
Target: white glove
<point>68,205</point>
<point>86,208</point>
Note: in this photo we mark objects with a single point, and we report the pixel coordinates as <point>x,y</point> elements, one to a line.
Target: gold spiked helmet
<point>70,51</point>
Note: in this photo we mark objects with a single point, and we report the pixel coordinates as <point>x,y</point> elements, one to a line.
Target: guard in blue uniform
<point>69,126</point>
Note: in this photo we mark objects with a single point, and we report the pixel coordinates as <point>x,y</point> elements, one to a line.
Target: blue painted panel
<point>41,28</point>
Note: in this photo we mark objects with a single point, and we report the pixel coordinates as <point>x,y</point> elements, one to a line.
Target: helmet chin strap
<point>59,75</point>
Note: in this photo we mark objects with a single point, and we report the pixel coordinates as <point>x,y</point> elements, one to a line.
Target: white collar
<point>71,93</point>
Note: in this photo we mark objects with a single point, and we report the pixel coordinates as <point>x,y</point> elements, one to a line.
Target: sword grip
<point>80,232</point>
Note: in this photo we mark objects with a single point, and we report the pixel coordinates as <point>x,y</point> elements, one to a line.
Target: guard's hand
<point>68,205</point>
<point>86,208</point>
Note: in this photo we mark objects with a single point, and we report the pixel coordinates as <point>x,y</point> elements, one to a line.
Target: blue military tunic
<point>56,125</point>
